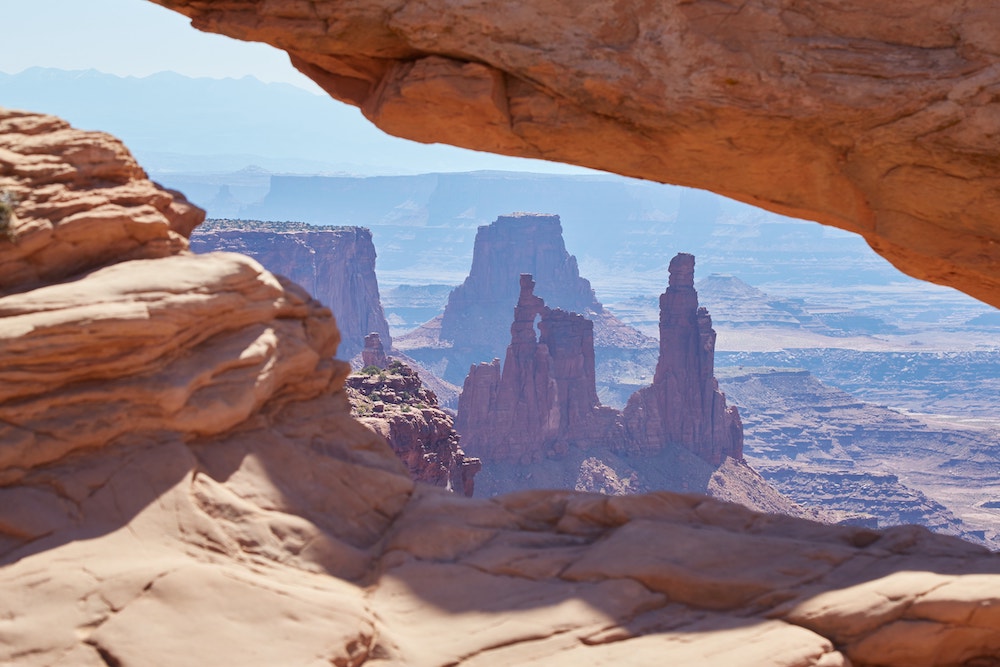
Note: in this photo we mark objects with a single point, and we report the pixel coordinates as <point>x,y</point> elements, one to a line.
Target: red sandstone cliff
<point>334,264</point>
<point>545,400</point>
<point>684,405</point>
<point>875,117</point>
<point>394,404</point>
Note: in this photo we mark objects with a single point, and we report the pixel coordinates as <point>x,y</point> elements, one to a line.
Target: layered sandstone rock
<point>61,224</point>
<point>295,536</point>
<point>684,406</point>
<point>334,264</point>
<point>874,117</point>
<point>538,423</point>
<point>545,400</point>
<point>394,404</point>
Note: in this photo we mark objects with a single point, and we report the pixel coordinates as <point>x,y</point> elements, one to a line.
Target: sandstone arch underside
<point>879,118</point>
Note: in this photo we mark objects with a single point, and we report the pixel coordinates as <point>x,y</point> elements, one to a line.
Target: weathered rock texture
<point>62,225</point>
<point>395,405</point>
<point>374,353</point>
<point>538,422</point>
<point>334,264</point>
<point>684,406</point>
<point>545,400</point>
<point>876,118</point>
<point>247,519</point>
<point>476,318</point>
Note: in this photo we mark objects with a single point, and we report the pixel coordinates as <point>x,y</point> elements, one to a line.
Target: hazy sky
<point>138,38</point>
<point>129,37</point>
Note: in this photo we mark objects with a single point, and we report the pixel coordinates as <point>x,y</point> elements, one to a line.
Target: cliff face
<point>334,264</point>
<point>394,404</point>
<point>873,117</point>
<point>545,399</point>
<point>684,405</point>
<point>178,450</point>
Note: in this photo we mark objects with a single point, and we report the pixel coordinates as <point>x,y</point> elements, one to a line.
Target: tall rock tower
<point>684,405</point>
<point>545,398</point>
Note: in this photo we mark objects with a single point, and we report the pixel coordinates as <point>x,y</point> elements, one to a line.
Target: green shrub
<point>8,200</point>
<point>405,408</point>
<point>370,370</point>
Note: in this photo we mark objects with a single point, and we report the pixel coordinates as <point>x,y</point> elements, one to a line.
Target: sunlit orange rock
<point>878,118</point>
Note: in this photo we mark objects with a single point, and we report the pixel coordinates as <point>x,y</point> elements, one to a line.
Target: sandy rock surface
<point>879,118</point>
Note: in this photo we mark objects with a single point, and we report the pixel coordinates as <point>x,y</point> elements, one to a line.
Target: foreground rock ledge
<point>244,518</point>
<point>879,118</point>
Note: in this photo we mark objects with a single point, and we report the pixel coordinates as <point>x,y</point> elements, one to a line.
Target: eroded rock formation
<point>334,264</point>
<point>61,224</point>
<point>876,118</point>
<point>476,318</point>
<point>249,495</point>
<point>478,310</point>
<point>545,399</point>
<point>374,353</point>
<point>684,406</point>
<point>538,422</point>
<point>394,404</point>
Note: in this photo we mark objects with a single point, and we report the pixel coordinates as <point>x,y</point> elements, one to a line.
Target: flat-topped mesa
<point>374,354</point>
<point>479,309</point>
<point>684,405</point>
<point>545,398</point>
<point>334,264</point>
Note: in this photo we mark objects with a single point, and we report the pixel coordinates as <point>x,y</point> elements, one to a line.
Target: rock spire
<point>545,399</point>
<point>374,354</point>
<point>684,405</point>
